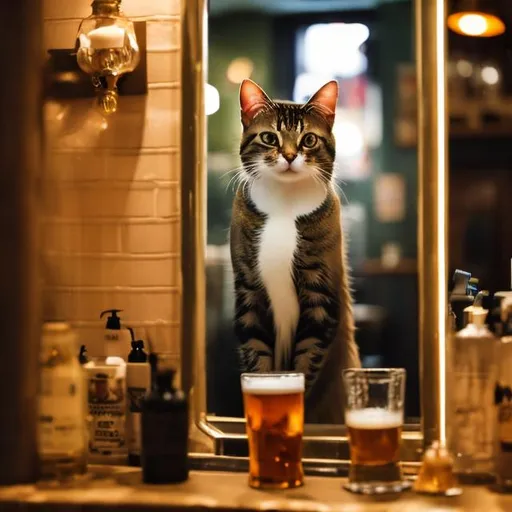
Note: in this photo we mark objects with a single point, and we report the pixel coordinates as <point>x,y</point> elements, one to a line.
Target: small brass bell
<point>436,473</point>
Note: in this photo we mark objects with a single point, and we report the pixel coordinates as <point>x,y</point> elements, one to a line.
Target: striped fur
<point>293,305</point>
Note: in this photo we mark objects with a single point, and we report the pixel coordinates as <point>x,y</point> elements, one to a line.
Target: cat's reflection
<point>293,304</point>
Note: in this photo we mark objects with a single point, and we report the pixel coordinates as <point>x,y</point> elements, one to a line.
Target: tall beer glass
<point>274,411</point>
<point>374,418</point>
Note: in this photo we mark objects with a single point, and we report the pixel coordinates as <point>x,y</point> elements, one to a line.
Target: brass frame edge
<point>193,203</point>
<point>430,25</point>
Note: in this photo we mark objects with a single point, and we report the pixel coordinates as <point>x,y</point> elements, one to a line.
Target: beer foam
<point>373,418</point>
<point>273,384</point>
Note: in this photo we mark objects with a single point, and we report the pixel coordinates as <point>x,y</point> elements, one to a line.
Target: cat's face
<point>286,141</point>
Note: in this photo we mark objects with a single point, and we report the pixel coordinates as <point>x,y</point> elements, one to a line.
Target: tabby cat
<point>293,303</point>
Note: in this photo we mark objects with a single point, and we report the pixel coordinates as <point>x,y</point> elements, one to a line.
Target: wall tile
<point>85,270</point>
<point>150,237</point>
<point>163,35</point>
<point>168,201</point>
<point>157,304</point>
<point>81,238</point>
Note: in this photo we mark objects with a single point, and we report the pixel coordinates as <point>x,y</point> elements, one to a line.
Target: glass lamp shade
<point>107,45</point>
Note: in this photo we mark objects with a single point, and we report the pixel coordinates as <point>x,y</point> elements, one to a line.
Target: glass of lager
<point>374,417</point>
<point>274,412</point>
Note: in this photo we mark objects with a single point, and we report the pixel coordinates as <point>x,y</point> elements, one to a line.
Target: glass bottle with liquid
<point>61,434</point>
<point>471,392</point>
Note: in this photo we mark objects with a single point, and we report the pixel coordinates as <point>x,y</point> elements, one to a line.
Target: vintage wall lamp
<point>106,49</point>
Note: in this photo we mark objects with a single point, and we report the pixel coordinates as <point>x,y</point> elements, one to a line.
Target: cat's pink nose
<point>289,157</point>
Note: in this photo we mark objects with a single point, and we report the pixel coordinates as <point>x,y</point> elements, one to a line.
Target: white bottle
<point>62,441</point>
<point>471,399</point>
<point>116,339</point>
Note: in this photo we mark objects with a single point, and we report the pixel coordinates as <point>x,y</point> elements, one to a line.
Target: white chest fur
<point>282,203</point>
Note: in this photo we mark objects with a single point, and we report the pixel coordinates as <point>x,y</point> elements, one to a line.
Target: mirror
<point>290,50</point>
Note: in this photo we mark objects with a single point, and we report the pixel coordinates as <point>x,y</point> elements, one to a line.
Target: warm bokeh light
<point>464,68</point>
<point>211,99</point>
<point>239,69</point>
<point>476,24</point>
<point>490,75</point>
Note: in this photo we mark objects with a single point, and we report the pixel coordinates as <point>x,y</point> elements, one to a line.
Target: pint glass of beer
<point>374,418</point>
<point>274,411</point>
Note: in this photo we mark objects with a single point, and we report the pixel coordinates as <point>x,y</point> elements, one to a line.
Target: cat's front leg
<point>255,350</point>
<point>255,357</point>
<point>312,343</point>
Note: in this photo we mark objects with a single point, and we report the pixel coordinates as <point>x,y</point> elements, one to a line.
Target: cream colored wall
<point>112,191</point>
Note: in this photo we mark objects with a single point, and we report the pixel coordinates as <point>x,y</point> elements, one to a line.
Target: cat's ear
<point>325,100</point>
<point>252,100</point>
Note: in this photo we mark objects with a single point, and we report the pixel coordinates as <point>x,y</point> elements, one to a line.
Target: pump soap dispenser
<point>116,339</point>
<point>138,377</point>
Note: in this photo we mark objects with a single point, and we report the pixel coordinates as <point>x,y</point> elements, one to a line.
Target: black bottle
<point>82,356</point>
<point>164,430</point>
<point>137,385</point>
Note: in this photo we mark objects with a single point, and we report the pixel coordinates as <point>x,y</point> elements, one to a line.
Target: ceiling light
<point>475,19</point>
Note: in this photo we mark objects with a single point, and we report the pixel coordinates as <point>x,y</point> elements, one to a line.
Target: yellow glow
<point>441,212</point>
<point>476,24</point>
<point>239,69</point>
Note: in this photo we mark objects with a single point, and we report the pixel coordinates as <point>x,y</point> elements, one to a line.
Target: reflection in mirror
<point>311,260</point>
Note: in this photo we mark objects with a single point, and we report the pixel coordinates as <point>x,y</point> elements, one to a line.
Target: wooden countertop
<point>112,489</point>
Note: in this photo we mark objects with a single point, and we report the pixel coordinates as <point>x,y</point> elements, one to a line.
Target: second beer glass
<point>374,418</point>
<point>274,411</point>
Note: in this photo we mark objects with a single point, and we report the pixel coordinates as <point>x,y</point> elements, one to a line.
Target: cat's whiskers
<point>235,170</point>
<point>241,175</point>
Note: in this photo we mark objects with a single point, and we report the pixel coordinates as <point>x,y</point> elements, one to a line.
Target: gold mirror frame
<point>430,35</point>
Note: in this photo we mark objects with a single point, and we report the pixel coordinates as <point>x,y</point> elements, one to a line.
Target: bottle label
<point>473,419</point>
<point>61,419</point>
<point>165,434</point>
<point>107,408</point>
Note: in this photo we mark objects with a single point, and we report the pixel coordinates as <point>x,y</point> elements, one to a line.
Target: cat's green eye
<point>269,138</point>
<point>309,140</point>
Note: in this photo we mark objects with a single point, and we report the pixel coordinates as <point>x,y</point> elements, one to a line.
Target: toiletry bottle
<point>61,425</point>
<point>116,339</point>
<point>138,379</point>
<point>503,401</point>
<point>106,384</point>
<point>82,356</point>
<point>164,430</point>
<point>472,430</point>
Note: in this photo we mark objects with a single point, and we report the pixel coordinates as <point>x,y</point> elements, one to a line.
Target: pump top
<point>137,354</point>
<point>113,321</point>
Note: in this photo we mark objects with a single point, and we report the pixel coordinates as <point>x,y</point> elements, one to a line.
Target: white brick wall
<point>112,191</point>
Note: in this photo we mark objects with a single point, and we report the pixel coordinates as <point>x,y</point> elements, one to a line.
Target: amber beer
<point>374,418</point>
<point>374,435</point>
<point>274,411</point>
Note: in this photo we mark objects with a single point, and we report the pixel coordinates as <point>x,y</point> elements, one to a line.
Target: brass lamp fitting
<point>106,49</point>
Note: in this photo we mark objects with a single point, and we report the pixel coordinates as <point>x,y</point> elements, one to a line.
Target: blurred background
<point>290,48</point>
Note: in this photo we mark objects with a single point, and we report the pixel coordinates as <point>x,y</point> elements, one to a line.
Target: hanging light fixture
<point>475,18</point>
